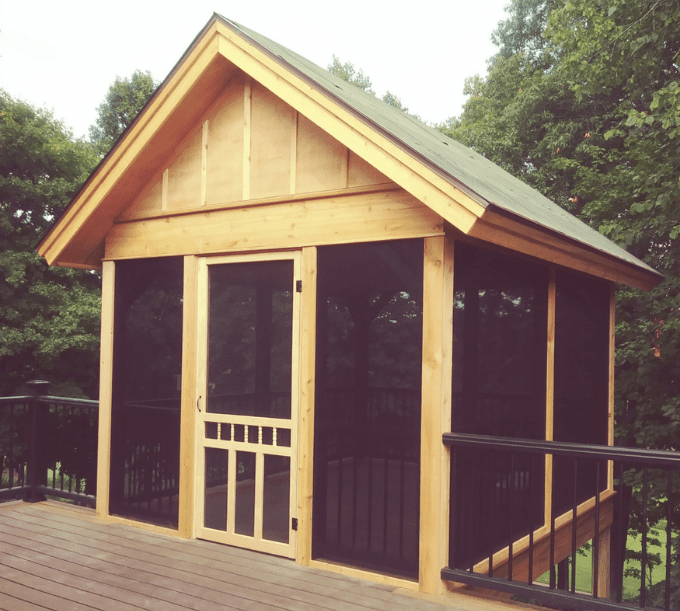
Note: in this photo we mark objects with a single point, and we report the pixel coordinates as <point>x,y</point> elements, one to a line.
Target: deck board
<point>240,562</point>
<point>57,557</point>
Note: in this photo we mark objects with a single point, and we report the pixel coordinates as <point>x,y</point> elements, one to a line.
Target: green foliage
<point>49,317</point>
<point>347,72</point>
<point>596,131</point>
<point>125,98</point>
<point>583,103</point>
<point>522,32</point>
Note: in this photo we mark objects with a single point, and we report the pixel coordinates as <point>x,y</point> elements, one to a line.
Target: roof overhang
<point>220,51</point>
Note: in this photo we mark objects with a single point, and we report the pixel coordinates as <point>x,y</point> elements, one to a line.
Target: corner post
<point>435,411</point>
<point>105,388</point>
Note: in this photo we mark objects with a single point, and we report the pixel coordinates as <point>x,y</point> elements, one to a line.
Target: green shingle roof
<point>484,181</point>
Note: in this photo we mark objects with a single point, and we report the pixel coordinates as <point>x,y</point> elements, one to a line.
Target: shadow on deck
<point>57,556</point>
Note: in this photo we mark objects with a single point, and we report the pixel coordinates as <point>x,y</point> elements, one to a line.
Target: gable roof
<point>466,189</point>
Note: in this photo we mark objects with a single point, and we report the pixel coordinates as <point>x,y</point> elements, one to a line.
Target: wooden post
<point>306,408</point>
<point>105,388</point>
<point>603,562</point>
<point>435,411</point>
<point>187,450</point>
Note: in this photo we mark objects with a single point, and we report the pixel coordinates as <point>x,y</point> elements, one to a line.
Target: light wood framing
<point>254,445</point>
<point>239,157</point>
<point>333,218</point>
<point>585,531</point>
<point>189,398</point>
<point>435,410</point>
<point>541,244</point>
<point>250,145</point>
<point>105,388</point>
<point>277,103</point>
<point>306,413</point>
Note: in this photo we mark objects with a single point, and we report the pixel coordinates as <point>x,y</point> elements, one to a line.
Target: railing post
<point>37,464</point>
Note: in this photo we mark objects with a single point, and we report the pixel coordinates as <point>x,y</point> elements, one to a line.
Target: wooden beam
<point>335,220</point>
<point>446,409</point>
<point>585,531</point>
<point>105,388</point>
<point>165,190</point>
<point>603,560</point>
<point>247,121</point>
<point>435,410</point>
<point>292,187</point>
<point>204,163</point>
<point>307,375</point>
<point>506,232</point>
<point>187,450</point>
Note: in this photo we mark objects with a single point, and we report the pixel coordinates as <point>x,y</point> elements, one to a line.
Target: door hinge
<point>293,523</point>
<point>298,286</point>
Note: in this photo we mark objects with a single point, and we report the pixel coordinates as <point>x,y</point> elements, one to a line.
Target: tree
<point>347,72</point>
<point>125,98</point>
<point>587,111</point>
<point>522,32</point>
<point>49,317</point>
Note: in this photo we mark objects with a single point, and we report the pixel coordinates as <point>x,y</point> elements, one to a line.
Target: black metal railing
<point>48,447</point>
<point>367,477</point>
<point>620,506</point>
<point>144,479</point>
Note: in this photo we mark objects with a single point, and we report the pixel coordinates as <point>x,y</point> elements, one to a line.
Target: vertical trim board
<point>188,398</point>
<point>307,374</point>
<point>434,356</point>
<point>105,388</point>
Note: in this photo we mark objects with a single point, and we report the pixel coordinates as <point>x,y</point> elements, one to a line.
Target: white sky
<point>64,54</point>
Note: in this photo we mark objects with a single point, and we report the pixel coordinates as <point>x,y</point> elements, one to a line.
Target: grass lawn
<point>631,585</point>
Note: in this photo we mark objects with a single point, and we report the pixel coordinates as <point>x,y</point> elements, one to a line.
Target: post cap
<point>38,387</point>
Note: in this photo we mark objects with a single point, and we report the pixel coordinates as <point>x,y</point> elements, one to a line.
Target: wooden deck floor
<point>58,557</point>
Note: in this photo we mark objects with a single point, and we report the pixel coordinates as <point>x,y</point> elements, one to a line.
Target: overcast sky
<point>64,54</point>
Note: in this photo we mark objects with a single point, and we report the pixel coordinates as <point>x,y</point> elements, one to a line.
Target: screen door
<point>247,401</point>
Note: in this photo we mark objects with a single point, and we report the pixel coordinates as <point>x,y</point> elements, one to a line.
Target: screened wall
<point>500,355</point>
<point>581,397</point>
<point>147,366</point>
<point>499,373</point>
<point>367,410</point>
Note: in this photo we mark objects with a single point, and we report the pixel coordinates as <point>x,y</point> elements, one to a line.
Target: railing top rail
<point>91,403</point>
<point>17,399</point>
<point>653,458</point>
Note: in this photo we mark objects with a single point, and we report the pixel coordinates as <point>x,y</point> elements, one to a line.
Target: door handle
<point>198,401</point>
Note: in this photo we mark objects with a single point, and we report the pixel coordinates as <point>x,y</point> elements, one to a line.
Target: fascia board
<point>88,200</point>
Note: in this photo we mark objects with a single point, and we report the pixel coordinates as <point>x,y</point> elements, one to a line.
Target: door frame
<point>289,550</point>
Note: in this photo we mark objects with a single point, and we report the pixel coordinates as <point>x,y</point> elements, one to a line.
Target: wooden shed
<point>303,290</point>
